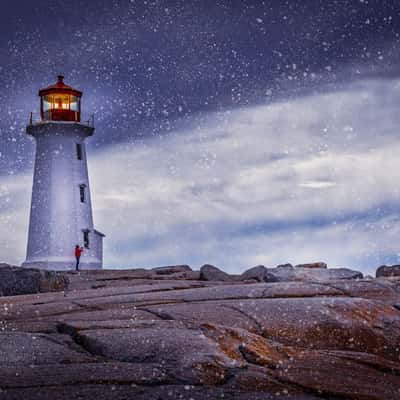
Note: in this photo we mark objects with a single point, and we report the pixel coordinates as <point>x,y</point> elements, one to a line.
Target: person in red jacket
<point>78,253</point>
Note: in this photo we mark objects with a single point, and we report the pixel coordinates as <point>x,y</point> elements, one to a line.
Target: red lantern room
<point>60,102</point>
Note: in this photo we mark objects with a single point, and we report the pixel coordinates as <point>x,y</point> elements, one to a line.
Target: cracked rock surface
<point>167,334</point>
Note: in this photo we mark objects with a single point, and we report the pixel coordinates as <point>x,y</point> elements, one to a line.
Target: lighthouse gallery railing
<point>35,118</point>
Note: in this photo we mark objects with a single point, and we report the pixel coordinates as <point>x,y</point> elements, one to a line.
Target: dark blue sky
<point>144,64</point>
<point>233,132</point>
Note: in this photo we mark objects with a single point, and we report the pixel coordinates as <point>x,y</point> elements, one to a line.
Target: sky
<point>231,133</point>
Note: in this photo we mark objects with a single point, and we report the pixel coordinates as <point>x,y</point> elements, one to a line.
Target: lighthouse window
<point>79,151</point>
<point>82,192</point>
<point>86,239</point>
<point>74,105</point>
<point>61,102</point>
<point>47,102</point>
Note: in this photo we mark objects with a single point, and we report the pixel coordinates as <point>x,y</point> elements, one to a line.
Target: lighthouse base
<point>69,265</point>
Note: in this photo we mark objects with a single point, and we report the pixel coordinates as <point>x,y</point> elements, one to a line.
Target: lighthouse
<point>61,210</point>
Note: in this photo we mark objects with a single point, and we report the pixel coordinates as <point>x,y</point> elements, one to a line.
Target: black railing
<point>36,118</point>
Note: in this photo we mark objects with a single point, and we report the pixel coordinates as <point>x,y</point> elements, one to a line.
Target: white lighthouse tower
<point>61,210</point>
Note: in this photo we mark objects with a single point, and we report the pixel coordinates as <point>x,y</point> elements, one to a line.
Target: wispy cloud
<point>311,178</point>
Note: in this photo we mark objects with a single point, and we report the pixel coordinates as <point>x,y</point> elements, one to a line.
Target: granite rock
<point>16,281</point>
<point>259,274</point>
<point>386,271</point>
<point>313,265</point>
<point>138,334</point>
<point>211,273</point>
<point>313,274</point>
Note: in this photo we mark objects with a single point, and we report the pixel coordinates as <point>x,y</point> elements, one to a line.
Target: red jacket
<point>78,251</point>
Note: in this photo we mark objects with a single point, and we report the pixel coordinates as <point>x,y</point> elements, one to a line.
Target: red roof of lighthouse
<point>60,87</point>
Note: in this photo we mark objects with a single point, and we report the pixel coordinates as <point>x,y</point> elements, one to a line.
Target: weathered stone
<point>284,363</point>
<point>137,334</point>
<point>328,323</point>
<point>254,379</point>
<point>259,274</point>
<point>319,372</point>
<point>129,305</point>
<point>81,373</point>
<point>241,345</point>
<point>114,279</point>
<point>285,266</point>
<point>53,282</point>
<point>130,314</point>
<point>382,290</point>
<point>112,390</point>
<point>18,349</point>
<point>235,291</point>
<point>313,274</point>
<point>216,312</point>
<point>187,354</point>
<point>320,323</point>
<point>171,269</point>
<point>36,309</point>
<point>17,281</point>
<point>386,271</point>
<point>211,273</point>
<point>313,265</point>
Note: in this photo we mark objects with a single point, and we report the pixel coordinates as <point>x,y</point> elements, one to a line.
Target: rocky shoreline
<point>303,332</point>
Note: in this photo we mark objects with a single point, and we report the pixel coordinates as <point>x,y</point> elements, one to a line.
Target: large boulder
<point>388,271</point>
<point>287,265</point>
<point>313,265</point>
<point>211,273</point>
<point>283,274</point>
<point>259,274</point>
<point>186,352</point>
<point>173,269</point>
<point>17,281</point>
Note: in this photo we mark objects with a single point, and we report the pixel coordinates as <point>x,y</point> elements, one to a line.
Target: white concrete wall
<point>58,217</point>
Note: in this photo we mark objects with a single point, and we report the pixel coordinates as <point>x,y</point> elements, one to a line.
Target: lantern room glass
<point>61,106</point>
<point>74,103</point>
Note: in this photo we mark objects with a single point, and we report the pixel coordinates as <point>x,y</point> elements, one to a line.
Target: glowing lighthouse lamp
<point>61,210</point>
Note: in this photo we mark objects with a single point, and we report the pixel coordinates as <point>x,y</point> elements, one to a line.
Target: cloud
<point>14,215</point>
<point>317,184</point>
<point>308,178</point>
